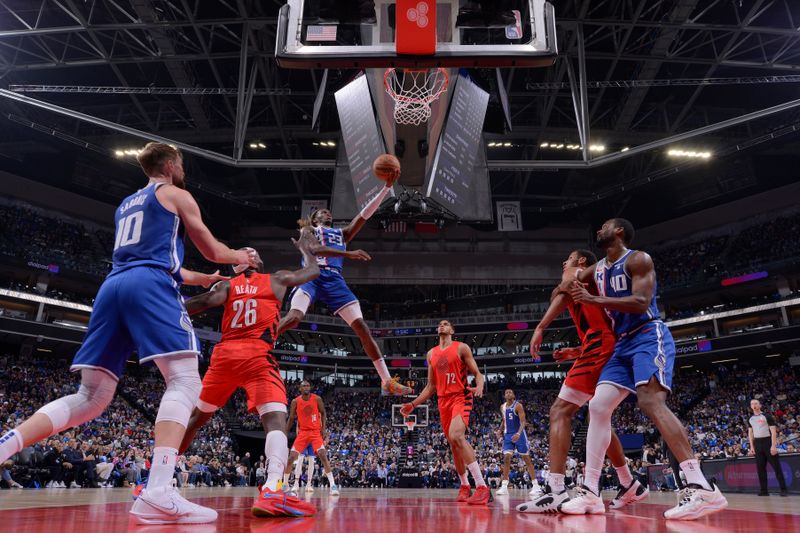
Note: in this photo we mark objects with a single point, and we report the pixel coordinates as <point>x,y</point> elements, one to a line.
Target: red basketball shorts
<point>304,438</point>
<point>598,347</point>
<point>245,364</point>
<point>452,406</point>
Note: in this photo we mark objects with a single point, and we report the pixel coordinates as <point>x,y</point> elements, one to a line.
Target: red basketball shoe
<point>279,503</point>
<point>137,490</point>
<point>482,496</point>
<point>464,493</point>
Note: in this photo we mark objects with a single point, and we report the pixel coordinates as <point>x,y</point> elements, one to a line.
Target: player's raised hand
<point>247,256</point>
<point>359,255</point>
<point>566,354</point>
<point>210,279</point>
<point>393,178</point>
<point>406,409</point>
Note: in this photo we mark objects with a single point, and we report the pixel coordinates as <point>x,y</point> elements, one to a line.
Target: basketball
<point>385,166</point>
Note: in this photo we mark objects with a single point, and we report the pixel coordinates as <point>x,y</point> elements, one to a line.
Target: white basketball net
<point>413,91</point>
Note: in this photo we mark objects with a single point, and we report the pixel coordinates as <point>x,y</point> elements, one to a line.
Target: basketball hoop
<point>413,91</point>
<point>410,424</point>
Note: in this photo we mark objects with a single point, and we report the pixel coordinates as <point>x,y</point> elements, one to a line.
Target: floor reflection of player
<point>243,358</point>
<point>332,290</point>
<point>448,366</point>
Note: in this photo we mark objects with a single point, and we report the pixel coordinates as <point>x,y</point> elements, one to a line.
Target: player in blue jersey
<point>330,287</point>
<point>625,286</point>
<point>138,307</point>
<point>515,440</point>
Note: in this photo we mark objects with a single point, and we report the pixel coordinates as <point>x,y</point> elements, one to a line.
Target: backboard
<point>353,34</point>
<point>420,416</point>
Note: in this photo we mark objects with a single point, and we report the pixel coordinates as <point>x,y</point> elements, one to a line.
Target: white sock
<point>464,479</point>
<point>556,481</point>
<point>285,480</point>
<point>505,483</point>
<point>383,372</point>
<point>310,471</point>
<point>331,480</point>
<point>162,469</point>
<point>276,450</point>
<point>10,443</point>
<point>691,468</point>
<point>475,470</point>
<point>624,475</point>
<point>298,470</point>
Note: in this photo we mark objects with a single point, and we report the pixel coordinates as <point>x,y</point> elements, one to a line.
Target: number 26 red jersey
<point>252,310</point>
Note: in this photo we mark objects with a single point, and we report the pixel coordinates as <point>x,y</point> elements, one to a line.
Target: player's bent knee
<point>183,389</point>
<point>95,393</point>
<point>354,317</point>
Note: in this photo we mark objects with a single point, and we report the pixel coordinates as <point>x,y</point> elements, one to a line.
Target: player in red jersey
<point>597,347</point>
<point>448,366</point>
<point>243,358</point>
<point>312,421</point>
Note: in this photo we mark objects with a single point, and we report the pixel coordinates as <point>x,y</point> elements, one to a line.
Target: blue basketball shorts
<point>648,352</point>
<point>309,451</point>
<point>139,309</point>
<point>330,289</point>
<point>521,446</point>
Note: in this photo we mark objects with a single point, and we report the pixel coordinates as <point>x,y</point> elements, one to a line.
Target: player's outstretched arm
<point>643,276</point>
<point>425,395</point>
<point>217,296</point>
<point>292,416</point>
<point>190,277</point>
<point>352,229</point>
<point>187,209</point>
<point>293,278</point>
<point>472,367</point>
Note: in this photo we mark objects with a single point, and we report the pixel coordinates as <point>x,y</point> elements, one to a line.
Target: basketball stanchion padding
<point>416,27</point>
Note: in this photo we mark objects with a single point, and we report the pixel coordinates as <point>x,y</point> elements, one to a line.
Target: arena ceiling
<point>653,69</point>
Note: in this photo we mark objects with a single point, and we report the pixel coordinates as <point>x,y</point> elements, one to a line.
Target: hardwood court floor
<point>367,510</point>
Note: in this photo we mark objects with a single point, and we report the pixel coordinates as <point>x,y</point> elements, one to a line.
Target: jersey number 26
<point>246,307</point>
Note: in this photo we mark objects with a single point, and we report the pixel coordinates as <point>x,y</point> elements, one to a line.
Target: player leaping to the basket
<point>330,287</point>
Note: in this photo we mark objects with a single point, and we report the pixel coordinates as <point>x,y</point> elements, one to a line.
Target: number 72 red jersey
<point>252,310</point>
<point>449,371</point>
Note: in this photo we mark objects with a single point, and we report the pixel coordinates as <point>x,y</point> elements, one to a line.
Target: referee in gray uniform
<point>762,434</point>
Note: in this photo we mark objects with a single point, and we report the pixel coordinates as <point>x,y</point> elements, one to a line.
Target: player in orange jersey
<point>597,347</point>
<point>312,421</point>
<point>448,366</point>
<point>243,358</point>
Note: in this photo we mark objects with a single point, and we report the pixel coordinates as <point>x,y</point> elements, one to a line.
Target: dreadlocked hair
<point>307,222</point>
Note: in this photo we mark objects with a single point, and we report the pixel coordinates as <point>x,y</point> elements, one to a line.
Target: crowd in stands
<point>365,448</point>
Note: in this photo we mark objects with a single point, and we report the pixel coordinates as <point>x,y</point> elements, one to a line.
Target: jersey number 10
<point>129,230</point>
<point>246,307</point>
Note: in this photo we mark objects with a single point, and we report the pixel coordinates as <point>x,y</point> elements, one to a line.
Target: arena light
<point>691,154</point>
<point>597,148</point>
<point>544,145</point>
<point>773,355</point>
<point>725,360</point>
<point>625,149</point>
<point>127,152</point>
